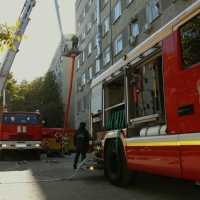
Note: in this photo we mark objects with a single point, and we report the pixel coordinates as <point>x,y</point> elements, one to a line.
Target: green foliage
<point>8,34</point>
<point>40,94</point>
<point>52,108</point>
<point>190,40</point>
<point>12,90</point>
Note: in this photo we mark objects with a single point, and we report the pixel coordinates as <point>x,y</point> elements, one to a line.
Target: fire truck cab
<point>20,133</point>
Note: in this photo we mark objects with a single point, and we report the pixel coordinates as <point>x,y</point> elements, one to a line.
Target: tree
<point>52,108</point>
<point>12,90</point>
<point>8,34</point>
<point>31,92</point>
<point>41,94</point>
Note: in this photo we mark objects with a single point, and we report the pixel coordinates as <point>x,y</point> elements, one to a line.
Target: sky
<point>43,33</point>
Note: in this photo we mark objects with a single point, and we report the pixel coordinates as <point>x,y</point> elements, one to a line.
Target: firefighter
<point>66,145</point>
<point>81,142</point>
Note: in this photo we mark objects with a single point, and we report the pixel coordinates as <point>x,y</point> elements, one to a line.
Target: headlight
<point>91,168</point>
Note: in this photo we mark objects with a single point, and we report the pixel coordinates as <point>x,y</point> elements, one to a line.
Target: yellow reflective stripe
<point>195,142</point>
<point>153,144</point>
<point>177,143</point>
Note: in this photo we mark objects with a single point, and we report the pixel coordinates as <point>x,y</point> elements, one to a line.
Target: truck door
<point>187,39</point>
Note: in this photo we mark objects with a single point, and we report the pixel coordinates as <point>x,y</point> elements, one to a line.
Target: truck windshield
<point>14,118</point>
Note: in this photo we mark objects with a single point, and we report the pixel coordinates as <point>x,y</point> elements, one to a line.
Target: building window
<point>83,79</point>
<point>89,25</point>
<point>57,78</point>
<point>78,107</point>
<point>60,73</point>
<point>78,63</point>
<point>78,83</point>
<point>83,57</point>
<point>134,29</point>
<point>89,48</point>
<point>95,41</point>
<point>83,35</point>
<point>154,10</point>
<point>83,102</point>
<point>190,40</point>
<point>89,3</point>
<point>57,66</point>
<point>106,56</point>
<point>117,11</point>
<point>97,66</point>
<point>79,23</point>
<point>128,2</point>
<point>105,2</point>
<point>118,44</point>
<point>106,26</point>
<point>79,42</point>
<point>90,72</point>
<point>83,13</point>
<point>95,15</point>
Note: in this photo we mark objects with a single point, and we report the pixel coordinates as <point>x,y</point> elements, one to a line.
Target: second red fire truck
<point>149,116</point>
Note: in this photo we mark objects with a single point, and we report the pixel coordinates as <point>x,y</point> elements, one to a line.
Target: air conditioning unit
<point>132,40</point>
<point>88,80</point>
<point>80,88</point>
<point>134,18</point>
<point>146,28</point>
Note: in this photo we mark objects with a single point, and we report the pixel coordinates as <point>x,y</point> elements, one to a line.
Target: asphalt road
<point>23,178</point>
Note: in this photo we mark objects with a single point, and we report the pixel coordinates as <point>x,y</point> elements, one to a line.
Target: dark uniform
<point>81,142</point>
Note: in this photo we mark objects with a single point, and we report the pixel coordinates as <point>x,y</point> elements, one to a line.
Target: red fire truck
<point>20,132</point>
<point>149,115</point>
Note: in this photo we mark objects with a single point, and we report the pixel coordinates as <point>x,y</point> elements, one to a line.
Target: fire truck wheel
<point>116,167</point>
<point>37,153</point>
<point>2,154</point>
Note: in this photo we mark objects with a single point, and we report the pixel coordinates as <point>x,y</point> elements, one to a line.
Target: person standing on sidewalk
<point>81,142</point>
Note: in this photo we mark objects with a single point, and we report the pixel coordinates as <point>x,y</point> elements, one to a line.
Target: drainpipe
<point>99,35</point>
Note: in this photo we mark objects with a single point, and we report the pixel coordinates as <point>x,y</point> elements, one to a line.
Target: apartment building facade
<point>61,66</point>
<point>108,30</point>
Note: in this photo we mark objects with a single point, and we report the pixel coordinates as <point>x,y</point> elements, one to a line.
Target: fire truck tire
<point>2,154</point>
<point>37,153</point>
<point>115,165</point>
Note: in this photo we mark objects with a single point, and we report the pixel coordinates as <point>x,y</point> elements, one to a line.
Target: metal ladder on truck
<point>10,54</point>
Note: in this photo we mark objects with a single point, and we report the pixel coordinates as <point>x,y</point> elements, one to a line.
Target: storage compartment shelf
<point>144,119</point>
<point>117,105</point>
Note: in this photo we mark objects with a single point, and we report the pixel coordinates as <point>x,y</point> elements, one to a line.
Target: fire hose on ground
<point>88,158</point>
